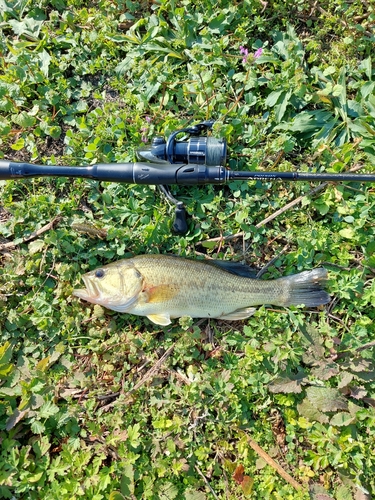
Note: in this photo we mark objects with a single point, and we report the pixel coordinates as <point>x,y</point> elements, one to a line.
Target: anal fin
<point>239,314</point>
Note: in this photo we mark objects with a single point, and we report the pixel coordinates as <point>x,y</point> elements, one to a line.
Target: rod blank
<point>166,173</point>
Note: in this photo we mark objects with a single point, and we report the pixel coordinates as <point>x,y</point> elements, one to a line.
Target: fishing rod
<point>199,160</point>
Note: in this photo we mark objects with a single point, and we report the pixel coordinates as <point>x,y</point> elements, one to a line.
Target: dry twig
<point>270,461</point>
<point>32,236</point>
<point>152,371</point>
<point>206,481</point>
<point>285,208</point>
<point>149,374</point>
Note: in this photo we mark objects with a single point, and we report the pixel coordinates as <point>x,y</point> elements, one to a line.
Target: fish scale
<point>163,287</point>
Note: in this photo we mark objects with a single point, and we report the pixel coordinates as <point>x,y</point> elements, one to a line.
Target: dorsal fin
<point>227,265</point>
<point>234,268</point>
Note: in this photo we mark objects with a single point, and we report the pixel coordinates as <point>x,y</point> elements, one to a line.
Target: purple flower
<point>245,52</point>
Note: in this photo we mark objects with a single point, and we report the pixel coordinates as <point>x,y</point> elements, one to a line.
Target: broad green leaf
<point>11,391</point>
<point>337,90</point>
<point>326,399</point>
<point>5,127</point>
<point>54,131</point>
<point>281,107</point>
<point>48,409</point>
<point>325,370</point>
<point>134,434</point>
<point>309,411</point>
<point>318,492</point>
<point>273,98</point>
<point>168,491</point>
<point>344,492</point>
<point>329,70</point>
<point>121,38</point>
<point>19,144</point>
<point>247,485</point>
<point>344,379</point>
<point>12,7</point>
<point>347,232</point>
<point>127,481</point>
<point>354,109</point>
<point>35,246</point>
<point>43,364</point>
<point>29,26</point>
<point>209,244</point>
<point>221,22</point>
<point>307,121</point>
<point>6,352</point>
<point>116,495</point>
<point>41,446</point>
<point>195,495</point>
<point>34,478</point>
<point>151,90</point>
<point>24,119</point>
<point>341,419</point>
<point>5,369</point>
<point>362,128</point>
<point>16,416</point>
<point>45,60</point>
<point>132,37</point>
<point>288,383</point>
<point>366,66</point>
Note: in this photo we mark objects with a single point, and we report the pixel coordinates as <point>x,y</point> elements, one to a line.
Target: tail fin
<point>307,288</point>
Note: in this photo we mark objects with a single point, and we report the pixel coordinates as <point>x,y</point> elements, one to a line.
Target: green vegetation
<point>99,405</point>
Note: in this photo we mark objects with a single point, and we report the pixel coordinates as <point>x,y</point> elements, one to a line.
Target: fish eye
<point>99,273</point>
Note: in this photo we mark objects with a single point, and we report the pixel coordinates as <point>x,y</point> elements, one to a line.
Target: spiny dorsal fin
<point>229,266</point>
<point>234,268</point>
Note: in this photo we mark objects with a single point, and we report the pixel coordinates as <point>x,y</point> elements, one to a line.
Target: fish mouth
<point>91,293</point>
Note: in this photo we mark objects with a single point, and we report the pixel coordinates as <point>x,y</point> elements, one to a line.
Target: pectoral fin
<point>239,314</point>
<point>160,319</point>
<point>158,295</point>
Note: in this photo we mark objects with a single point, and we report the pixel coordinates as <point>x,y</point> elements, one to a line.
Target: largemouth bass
<point>163,287</point>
